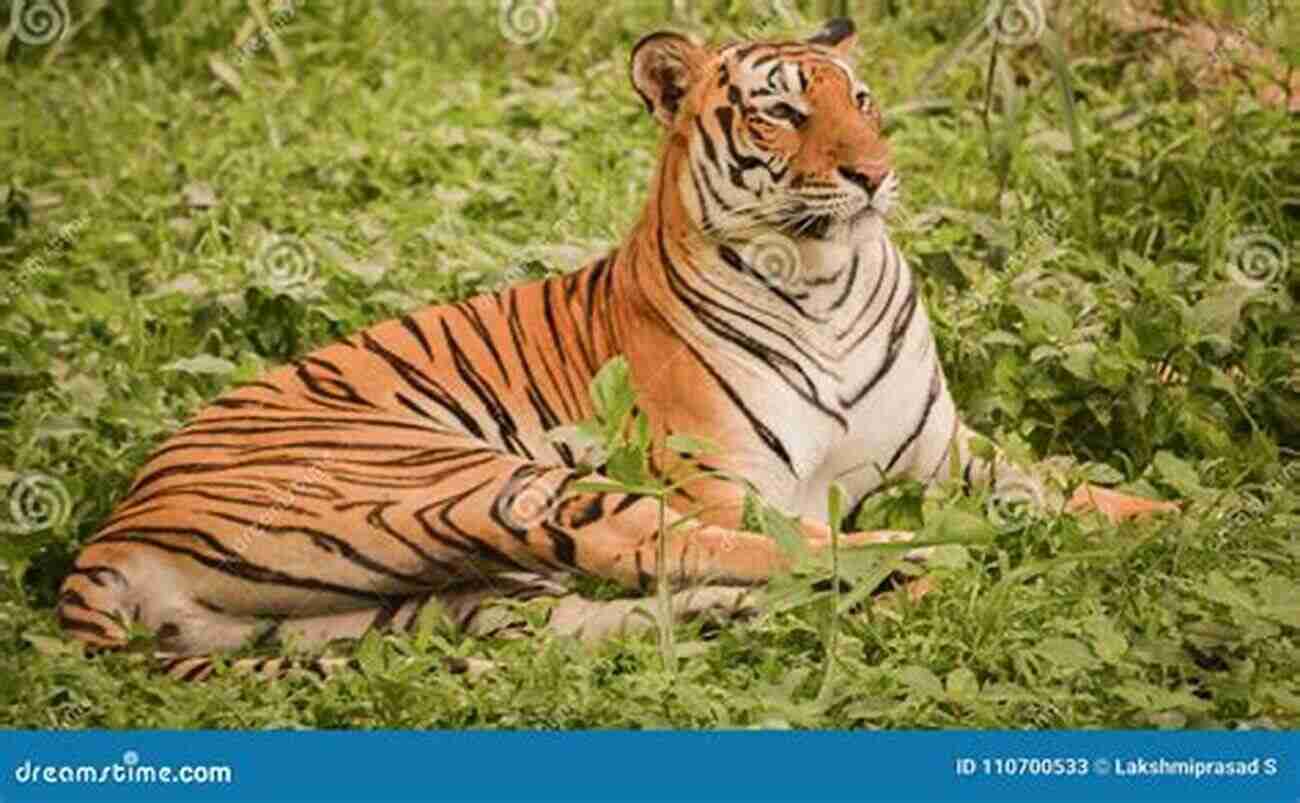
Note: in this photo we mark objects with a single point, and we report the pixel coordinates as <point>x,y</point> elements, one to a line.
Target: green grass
<point>412,157</point>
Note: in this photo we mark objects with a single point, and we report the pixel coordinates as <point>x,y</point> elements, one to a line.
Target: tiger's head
<point>767,135</point>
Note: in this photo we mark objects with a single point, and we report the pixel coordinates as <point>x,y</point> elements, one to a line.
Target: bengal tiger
<point>344,491</point>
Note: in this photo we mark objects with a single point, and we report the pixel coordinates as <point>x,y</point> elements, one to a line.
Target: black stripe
<point>931,397</point>
<point>424,384</point>
<point>471,313</point>
<point>234,566</point>
<point>333,389</point>
<point>482,390</point>
<point>413,327</point>
<point>898,333</point>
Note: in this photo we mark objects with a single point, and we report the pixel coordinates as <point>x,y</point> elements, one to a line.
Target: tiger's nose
<point>869,183</point>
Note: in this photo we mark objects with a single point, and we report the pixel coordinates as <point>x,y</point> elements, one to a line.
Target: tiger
<point>346,491</point>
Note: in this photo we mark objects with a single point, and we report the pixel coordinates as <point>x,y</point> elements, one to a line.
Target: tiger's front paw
<point>1115,505</point>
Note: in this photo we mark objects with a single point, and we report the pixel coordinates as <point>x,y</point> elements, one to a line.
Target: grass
<point>398,157</point>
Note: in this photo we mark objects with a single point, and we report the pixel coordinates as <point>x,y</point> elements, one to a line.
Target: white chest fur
<point>839,363</point>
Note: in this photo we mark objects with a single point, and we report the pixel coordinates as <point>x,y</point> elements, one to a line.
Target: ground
<point>1108,253</point>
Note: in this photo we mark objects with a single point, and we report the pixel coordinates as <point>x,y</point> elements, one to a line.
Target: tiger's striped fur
<point>410,461</point>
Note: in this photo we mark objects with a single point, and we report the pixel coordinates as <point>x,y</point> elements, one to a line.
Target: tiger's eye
<point>784,111</point>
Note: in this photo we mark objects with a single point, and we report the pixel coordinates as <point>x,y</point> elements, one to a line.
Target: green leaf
<point>202,364</point>
<point>963,686</point>
<point>1109,644</point>
<point>48,645</point>
<point>1217,587</point>
<point>1218,312</point>
<point>781,528</point>
<point>1045,320</point>
<point>599,487</point>
<point>370,653</point>
<point>612,393</point>
<point>690,444</point>
<point>921,680</point>
<point>1101,474</point>
<point>626,464</point>
<point>952,525</point>
<point>1067,653</point>
<point>835,504</point>
<point>1178,473</point>
<point>641,426</point>
<point>1078,360</point>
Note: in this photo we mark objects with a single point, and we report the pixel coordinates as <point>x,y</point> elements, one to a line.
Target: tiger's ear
<point>839,34</point>
<point>664,68</point>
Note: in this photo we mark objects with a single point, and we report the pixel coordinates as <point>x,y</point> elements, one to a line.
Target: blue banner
<point>750,766</point>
